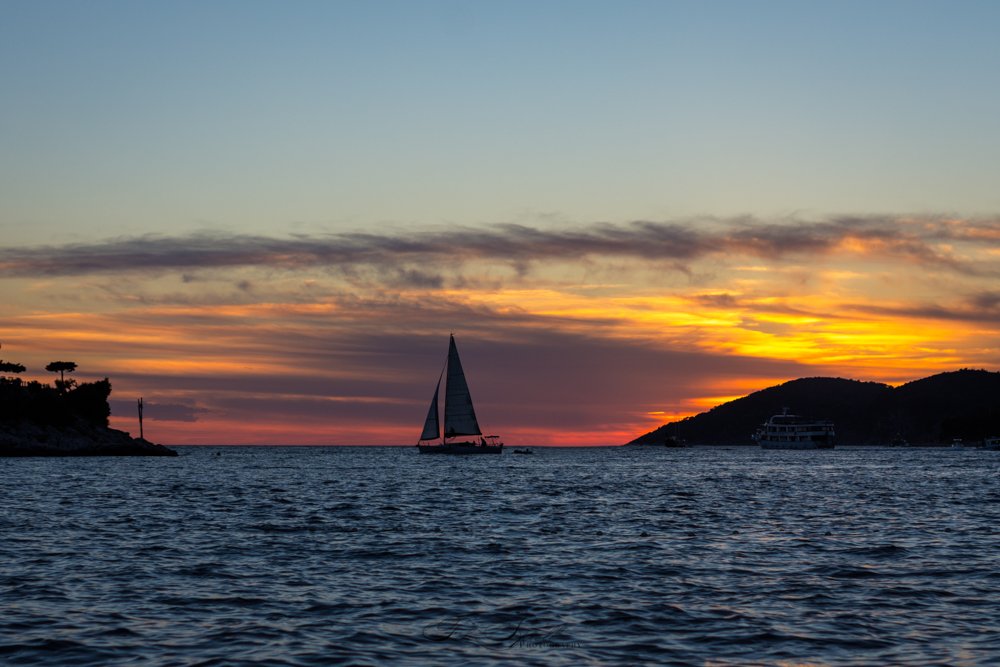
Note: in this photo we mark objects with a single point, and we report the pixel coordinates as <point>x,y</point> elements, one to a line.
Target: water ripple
<point>314,556</point>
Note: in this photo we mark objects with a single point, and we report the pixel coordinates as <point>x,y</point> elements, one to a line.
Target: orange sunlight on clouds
<point>590,338</point>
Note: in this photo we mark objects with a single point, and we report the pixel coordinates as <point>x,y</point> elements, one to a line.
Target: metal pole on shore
<point>141,436</point>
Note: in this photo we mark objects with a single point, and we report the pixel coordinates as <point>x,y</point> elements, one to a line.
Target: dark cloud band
<point>925,241</point>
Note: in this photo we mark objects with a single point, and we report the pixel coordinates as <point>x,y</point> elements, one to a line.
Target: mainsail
<point>459,417</point>
<point>432,430</point>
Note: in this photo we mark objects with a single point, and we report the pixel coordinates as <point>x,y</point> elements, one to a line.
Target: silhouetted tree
<point>62,367</point>
<point>11,367</point>
<point>90,402</point>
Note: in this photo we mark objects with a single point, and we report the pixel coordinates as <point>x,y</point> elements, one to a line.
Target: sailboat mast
<point>444,408</point>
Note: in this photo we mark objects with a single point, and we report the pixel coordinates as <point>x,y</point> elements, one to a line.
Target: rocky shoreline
<point>68,419</point>
<point>76,439</point>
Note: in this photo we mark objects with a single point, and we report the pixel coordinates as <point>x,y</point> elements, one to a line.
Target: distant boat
<point>523,451</point>
<point>992,444</point>
<point>459,416</point>
<point>787,431</point>
<point>898,441</point>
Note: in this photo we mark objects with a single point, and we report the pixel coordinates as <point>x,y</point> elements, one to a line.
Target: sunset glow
<point>306,355</point>
<point>270,246</point>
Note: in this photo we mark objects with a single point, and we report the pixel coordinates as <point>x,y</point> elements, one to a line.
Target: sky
<point>265,218</point>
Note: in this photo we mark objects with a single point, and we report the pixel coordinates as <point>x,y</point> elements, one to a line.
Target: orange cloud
<point>575,338</point>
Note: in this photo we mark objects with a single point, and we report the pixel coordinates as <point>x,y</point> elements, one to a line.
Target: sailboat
<point>459,416</point>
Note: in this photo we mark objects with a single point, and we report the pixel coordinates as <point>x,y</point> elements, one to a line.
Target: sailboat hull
<point>460,448</point>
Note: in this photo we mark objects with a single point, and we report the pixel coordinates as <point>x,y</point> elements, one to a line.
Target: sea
<point>569,556</point>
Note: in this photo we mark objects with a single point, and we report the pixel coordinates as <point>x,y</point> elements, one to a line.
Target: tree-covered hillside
<point>961,404</point>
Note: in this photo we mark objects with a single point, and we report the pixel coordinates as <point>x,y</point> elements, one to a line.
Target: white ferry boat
<point>787,431</point>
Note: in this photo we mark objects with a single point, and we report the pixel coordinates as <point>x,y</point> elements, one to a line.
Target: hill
<point>961,404</point>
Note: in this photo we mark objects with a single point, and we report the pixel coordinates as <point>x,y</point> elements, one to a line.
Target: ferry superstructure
<point>787,431</point>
